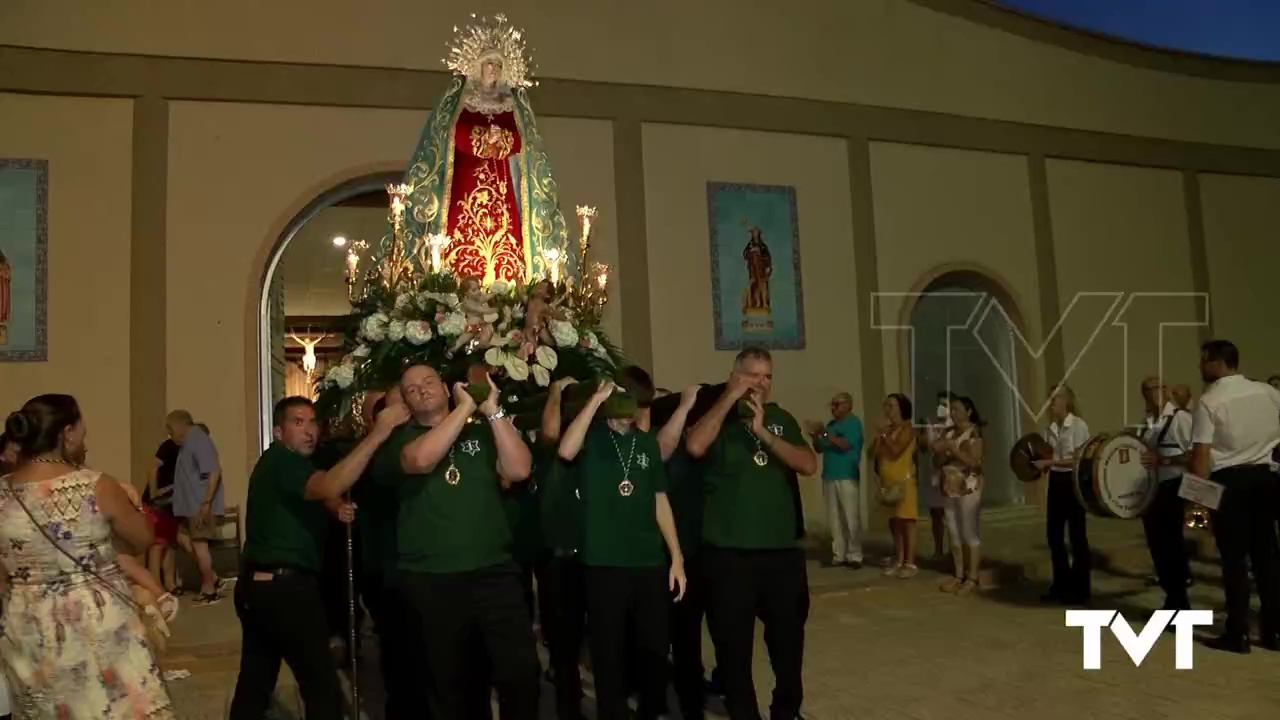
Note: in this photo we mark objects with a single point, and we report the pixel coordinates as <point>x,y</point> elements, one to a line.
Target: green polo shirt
<point>520,504</point>
<point>621,530</point>
<point>282,527</point>
<point>748,506</point>
<point>559,501</point>
<point>444,528</point>
<point>687,493</point>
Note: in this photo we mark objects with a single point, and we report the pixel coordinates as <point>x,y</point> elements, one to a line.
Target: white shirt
<point>1067,437</point>
<point>1176,441</point>
<point>1239,419</point>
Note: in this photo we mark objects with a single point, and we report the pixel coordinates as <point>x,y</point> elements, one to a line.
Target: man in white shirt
<point>1235,430</point>
<point>1067,434</point>
<point>1167,434</point>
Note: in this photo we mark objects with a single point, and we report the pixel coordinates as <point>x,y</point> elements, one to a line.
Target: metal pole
<point>351,622</point>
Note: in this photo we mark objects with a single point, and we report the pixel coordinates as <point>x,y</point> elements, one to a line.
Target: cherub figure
<point>542,308</point>
<point>479,315</point>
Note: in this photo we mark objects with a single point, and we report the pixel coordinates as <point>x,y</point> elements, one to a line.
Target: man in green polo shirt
<point>277,599</point>
<point>751,557</point>
<point>453,545</point>
<point>627,521</point>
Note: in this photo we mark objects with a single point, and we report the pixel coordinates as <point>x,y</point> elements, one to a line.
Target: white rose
<point>541,375</point>
<point>342,375</point>
<point>563,333</point>
<point>547,357</point>
<point>395,330</point>
<point>374,327</point>
<point>499,288</point>
<point>495,357</point>
<point>417,332</point>
<point>403,301</point>
<point>453,325</point>
<point>362,351</point>
<point>516,368</point>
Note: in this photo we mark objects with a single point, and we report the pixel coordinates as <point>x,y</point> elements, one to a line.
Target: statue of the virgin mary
<point>479,174</point>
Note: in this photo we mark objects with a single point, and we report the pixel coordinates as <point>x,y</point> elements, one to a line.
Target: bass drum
<point>1111,480</point>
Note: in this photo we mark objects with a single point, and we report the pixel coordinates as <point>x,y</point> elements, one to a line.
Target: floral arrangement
<point>412,310</point>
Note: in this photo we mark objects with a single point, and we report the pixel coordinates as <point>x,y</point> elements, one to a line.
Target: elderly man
<point>752,522</point>
<point>840,442</point>
<point>197,496</point>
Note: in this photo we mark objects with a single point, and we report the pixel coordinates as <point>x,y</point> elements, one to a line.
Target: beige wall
<point>88,281</point>
<point>1242,231</point>
<point>237,175</point>
<point>678,162</point>
<point>938,209</point>
<point>1119,231</point>
<point>892,53</point>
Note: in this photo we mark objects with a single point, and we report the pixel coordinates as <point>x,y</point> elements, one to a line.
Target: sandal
<point>907,571</point>
<point>891,570</point>
<point>968,587</point>
<point>951,584</point>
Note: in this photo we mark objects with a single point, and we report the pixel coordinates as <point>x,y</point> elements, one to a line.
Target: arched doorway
<point>963,341</point>
<point>359,204</point>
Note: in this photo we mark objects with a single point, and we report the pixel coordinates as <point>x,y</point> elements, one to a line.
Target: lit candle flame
<point>438,243</point>
<point>586,214</point>
<point>553,257</point>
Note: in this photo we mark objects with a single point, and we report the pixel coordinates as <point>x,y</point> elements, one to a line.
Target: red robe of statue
<point>484,214</point>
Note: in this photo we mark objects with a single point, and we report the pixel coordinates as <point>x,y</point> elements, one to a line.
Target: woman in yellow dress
<point>893,451</point>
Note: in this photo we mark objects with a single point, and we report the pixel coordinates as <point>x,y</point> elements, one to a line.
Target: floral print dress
<point>71,647</point>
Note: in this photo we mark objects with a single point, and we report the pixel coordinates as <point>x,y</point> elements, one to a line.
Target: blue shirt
<point>197,461</point>
<point>840,464</point>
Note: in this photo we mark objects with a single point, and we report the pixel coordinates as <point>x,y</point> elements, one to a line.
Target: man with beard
<point>751,557</point>
<point>278,598</point>
<point>1236,428</point>
<point>453,545</point>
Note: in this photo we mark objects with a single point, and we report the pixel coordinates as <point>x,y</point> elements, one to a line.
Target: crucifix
<point>309,352</point>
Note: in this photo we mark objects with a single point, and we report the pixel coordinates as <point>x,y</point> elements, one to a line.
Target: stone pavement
<point>888,649</point>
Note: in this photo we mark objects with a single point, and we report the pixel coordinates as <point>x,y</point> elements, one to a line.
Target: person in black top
<point>158,495</point>
<point>278,599</point>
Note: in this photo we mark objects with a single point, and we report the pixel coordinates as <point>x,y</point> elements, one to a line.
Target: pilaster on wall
<point>866,274</point>
<point>147,279</point>
<point>1199,249</point>
<point>633,242</point>
<point>1054,359</point>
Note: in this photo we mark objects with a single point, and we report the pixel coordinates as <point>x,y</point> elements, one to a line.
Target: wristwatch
<point>498,415</point>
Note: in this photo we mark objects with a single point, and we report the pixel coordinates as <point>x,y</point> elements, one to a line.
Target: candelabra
<point>397,266</point>
<point>353,264</point>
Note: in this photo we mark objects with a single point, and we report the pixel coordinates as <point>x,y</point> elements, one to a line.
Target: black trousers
<point>1163,524</point>
<point>1244,526</point>
<point>618,600</point>
<point>562,600</point>
<point>473,623</point>
<point>283,618</point>
<point>687,671</point>
<point>1071,580</point>
<point>404,670</point>
<point>772,585</point>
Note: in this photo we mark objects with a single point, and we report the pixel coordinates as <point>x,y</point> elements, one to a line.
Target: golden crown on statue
<point>491,38</point>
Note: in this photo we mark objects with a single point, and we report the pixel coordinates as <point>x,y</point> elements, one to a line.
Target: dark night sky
<point>1247,29</point>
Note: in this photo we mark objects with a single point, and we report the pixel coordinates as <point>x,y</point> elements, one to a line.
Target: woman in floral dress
<point>73,645</point>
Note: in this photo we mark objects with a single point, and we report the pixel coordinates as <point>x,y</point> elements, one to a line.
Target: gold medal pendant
<point>452,474</point>
<point>625,488</point>
<point>761,458</point>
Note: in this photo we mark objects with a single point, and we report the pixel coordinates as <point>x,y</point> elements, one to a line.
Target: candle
<point>438,243</point>
<point>353,262</point>
<point>553,257</point>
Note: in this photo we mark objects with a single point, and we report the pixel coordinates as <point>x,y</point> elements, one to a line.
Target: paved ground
<point>885,649</point>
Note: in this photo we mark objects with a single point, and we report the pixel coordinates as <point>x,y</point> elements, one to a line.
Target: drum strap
<point>1164,430</point>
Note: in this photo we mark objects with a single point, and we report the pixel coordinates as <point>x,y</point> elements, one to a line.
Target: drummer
<point>1067,434</point>
<point>1167,432</point>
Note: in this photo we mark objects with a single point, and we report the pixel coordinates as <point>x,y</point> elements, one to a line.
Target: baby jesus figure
<point>539,312</point>
<point>478,313</point>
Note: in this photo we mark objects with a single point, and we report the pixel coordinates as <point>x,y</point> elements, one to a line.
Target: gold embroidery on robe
<point>484,227</point>
<point>492,142</point>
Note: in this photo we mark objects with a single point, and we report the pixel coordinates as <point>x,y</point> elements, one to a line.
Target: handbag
<point>157,631</point>
<point>890,494</point>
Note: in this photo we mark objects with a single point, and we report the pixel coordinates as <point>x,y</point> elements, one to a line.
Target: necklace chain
<point>626,464</point>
